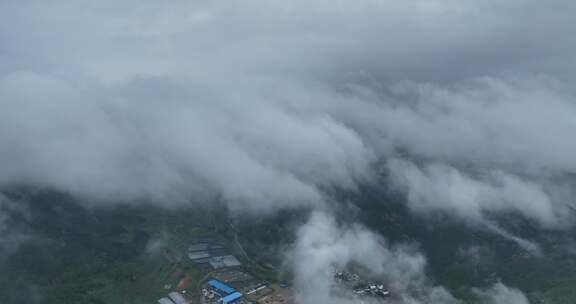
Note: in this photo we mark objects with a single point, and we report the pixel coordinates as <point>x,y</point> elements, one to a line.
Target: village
<point>224,279</point>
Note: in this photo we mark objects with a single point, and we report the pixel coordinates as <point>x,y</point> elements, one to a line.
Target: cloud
<point>144,147</point>
<point>265,101</point>
<point>441,187</point>
<point>501,294</point>
<point>324,245</point>
<point>10,236</point>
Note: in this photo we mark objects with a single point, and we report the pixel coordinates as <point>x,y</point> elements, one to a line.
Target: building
<point>221,288</point>
<point>257,288</point>
<point>203,252</point>
<point>177,298</point>
<point>198,255</point>
<point>224,261</point>
<point>198,247</point>
<point>198,251</point>
<point>165,301</point>
<point>233,298</point>
<point>224,292</point>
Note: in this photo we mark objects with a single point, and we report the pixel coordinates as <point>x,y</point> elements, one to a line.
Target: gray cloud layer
<point>269,102</point>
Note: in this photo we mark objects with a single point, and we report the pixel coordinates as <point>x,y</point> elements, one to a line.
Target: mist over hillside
<point>428,142</point>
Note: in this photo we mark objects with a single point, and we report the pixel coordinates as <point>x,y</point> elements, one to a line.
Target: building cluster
<point>219,292</point>
<point>343,276</point>
<point>173,298</point>
<point>228,282</point>
<point>372,289</point>
<point>359,286</point>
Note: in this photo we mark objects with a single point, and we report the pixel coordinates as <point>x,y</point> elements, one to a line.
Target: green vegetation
<point>130,254</point>
<point>114,255</point>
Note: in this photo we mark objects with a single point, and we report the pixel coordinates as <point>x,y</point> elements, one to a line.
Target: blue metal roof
<point>221,286</point>
<point>231,298</point>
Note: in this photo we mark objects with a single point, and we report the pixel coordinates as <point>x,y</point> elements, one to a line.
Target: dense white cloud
<point>271,101</point>
<point>441,187</point>
<point>163,146</point>
<point>323,245</point>
<point>265,101</point>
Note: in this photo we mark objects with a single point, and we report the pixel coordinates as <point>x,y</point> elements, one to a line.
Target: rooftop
<point>230,298</point>
<point>177,298</point>
<point>198,247</point>
<point>221,286</point>
<point>224,261</point>
<point>165,301</point>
